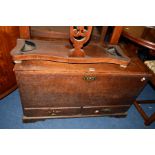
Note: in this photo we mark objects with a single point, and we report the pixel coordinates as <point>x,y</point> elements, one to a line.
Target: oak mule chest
<point>54,85</point>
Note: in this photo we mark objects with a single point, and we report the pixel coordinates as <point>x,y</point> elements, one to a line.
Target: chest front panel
<point>47,89</point>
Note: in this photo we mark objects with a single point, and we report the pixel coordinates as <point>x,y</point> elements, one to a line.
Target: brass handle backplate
<point>89,78</point>
<point>102,110</point>
<point>106,110</point>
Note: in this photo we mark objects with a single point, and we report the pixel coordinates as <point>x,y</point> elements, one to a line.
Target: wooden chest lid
<point>54,56</point>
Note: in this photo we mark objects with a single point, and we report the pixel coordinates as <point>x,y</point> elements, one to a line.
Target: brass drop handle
<point>89,78</point>
<point>53,112</point>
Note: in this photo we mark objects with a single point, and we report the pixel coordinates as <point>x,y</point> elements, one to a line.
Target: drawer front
<point>74,111</point>
<point>43,112</point>
<point>98,110</point>
<point>47,89</point>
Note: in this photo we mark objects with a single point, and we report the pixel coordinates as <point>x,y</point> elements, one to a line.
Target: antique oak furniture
<point>76,79</point>
<point>8,38</point>
<point>61,33</point>
<point>144,36</point>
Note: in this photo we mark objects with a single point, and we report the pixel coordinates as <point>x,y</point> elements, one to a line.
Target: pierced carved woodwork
<point>79,35</point>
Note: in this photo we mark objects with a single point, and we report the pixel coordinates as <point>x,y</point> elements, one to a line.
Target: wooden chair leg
<point>150,119</point>
<point>116,35</point>
<point>103,34</point>
<point>141,111</point>
<point>147,120</point>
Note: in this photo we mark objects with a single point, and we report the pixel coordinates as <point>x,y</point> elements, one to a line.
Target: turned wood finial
<point>79,35</point>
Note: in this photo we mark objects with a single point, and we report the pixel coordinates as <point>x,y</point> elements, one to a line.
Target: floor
<point>11,116</point>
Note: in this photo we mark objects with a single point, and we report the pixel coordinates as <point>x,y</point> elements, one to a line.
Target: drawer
<point>99,110</point>
<point>45,111</point>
